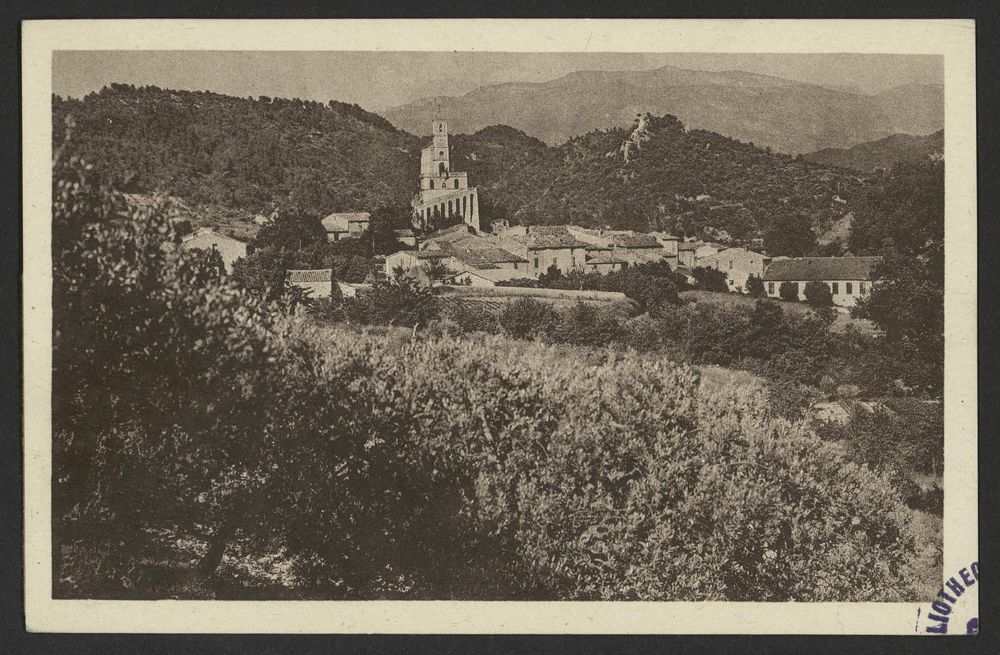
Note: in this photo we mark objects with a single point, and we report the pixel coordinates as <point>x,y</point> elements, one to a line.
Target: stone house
<point>208,239</point>
<point>345,225</point>
<point>317,282</point>
<point>603,260</point>
<point>540,251</point>
<point>738,264</point>
<point>689,252</point>
<point>848,278</point>
<point>408,260</point>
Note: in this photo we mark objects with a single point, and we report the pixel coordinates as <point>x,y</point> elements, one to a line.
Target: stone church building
<point>443,192</point>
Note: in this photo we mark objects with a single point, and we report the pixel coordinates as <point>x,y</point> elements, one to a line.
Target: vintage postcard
<point>500,326</point>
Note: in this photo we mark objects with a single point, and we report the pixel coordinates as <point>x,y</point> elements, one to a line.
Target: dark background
<point>14,639</point>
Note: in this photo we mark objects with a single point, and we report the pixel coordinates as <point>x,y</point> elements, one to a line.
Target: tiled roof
<point>337,221</point>
<point>309,275</point>
<point>432,254</point>
<point>731,252</point>
<point>635,240</point>
<point>548,229</point>
<point>821,268</point>
<point>689,245</point>
<point>550,241</point>
<point>455,231</point>
<point>603,257</point>
<point>482,257</point>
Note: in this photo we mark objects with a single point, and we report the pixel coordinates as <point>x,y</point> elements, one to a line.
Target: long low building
<point>848,278</point>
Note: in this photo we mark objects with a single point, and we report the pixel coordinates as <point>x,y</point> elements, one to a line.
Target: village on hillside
<point>300,352</point>
<point>465,254</point>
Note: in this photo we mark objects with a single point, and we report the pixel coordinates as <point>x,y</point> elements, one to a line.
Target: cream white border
<point>955,39</point>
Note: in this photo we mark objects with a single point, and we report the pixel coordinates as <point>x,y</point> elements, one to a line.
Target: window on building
<point>536,262</point>
<point>730,264</point>
<point>849,287</point>
<point>440,153</point>
<point>835,288</point>
<point>862,288</point>
<point>770,287</point>
<point>572,262</point>
<point>456,182</point>
<point>555,262</point>
<point>441,168</point>
<point>463,205</point>
<point>450,210</point>
<point>432,184</point>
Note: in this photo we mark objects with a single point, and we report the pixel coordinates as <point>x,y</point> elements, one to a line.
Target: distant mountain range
<point>884,153</point>
<point>787,116</point>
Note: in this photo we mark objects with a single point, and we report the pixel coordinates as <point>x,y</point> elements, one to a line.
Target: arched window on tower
<point>456,182</point>
<point>432,184</point>
<point>441,168</point>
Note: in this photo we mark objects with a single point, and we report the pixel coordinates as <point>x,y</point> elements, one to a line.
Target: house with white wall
<point>848,278</point>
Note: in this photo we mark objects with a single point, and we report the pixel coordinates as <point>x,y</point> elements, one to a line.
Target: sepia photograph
<point>480,324</point>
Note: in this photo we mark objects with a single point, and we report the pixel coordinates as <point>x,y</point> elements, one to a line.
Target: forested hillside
<point>213,149</point>
<point>254,154</point>
<point>676,179</point>
<point>884,153</point>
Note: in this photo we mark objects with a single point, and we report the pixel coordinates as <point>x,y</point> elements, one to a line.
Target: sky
<point>378,80</point>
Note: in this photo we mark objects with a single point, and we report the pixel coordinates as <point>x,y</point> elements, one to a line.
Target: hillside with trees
<point>253,155</point>
<point>677,179</point>
<point>882,154</point>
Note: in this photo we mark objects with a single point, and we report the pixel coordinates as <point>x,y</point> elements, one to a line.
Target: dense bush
<point>526,318</point>
<point>710,279</point>
<point>755,287</point>
<point>400,301</point>
<point>818,294</point>
<point>630,482</point>
<point>904,434</point>
<point>789,291</point>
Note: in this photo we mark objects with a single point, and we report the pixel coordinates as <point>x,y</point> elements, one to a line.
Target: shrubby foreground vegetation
<point>211,441</point>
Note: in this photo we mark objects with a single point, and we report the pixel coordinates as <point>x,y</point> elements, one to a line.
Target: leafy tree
<point>789,234</point>
<point>551,278</point>
<point>586,325</point>
<point>526,318</point>
<point>437,270</point>
<point>710,279</point>
<point>789,291</point>
<point>904,208</point>
<point>400,301</point>
<point>264,272</point>
<point>291,229</point>
<point>755,287</point>
<point>336,294</point>
<point>653,294</point>
<point>908,304</point>
<point>818,294</point>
